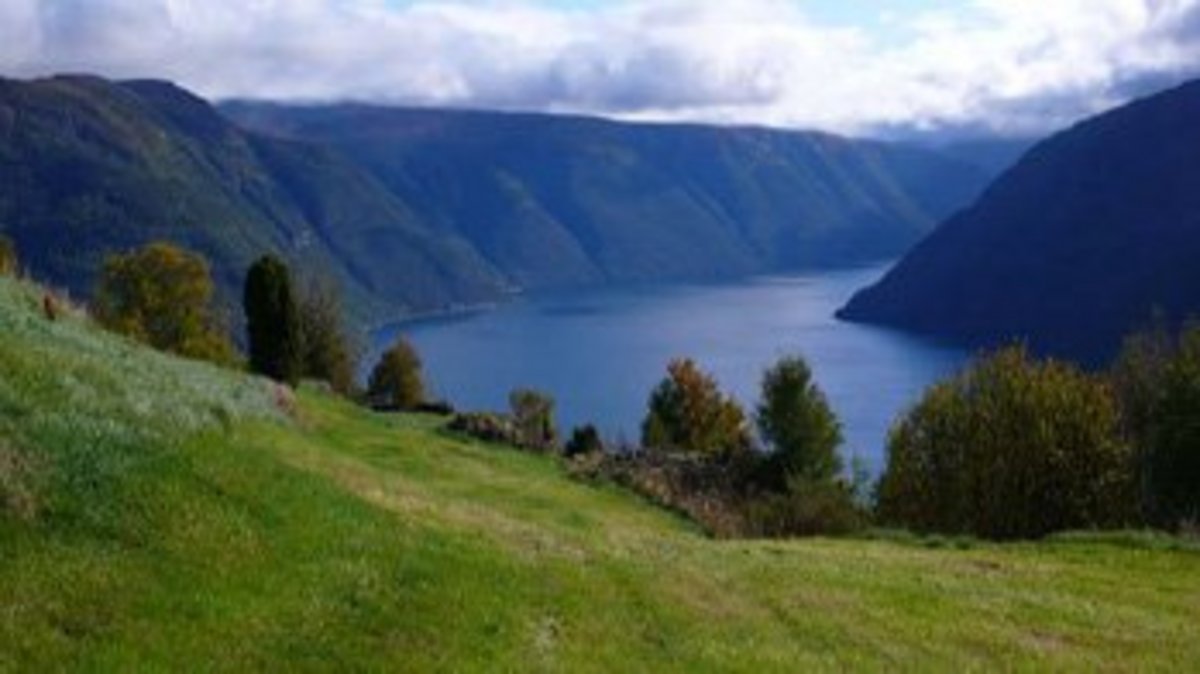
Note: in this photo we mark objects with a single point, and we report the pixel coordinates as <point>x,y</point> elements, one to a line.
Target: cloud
<point>1010,66</point>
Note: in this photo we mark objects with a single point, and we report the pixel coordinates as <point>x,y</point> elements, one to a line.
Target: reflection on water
<point>600,352</point>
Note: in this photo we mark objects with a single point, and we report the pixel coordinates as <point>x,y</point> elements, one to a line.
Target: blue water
<point>600,352</point>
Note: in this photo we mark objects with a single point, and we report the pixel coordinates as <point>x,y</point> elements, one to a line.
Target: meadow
<point>164,515</point>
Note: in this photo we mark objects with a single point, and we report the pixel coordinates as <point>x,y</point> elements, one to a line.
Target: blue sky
<point>1010,67</point>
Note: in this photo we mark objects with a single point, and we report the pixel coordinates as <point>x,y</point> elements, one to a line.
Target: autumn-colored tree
<point>8,257</point>
<point>795,419</point>
<point>273,321</point>
<point>328,352</point>
<point>396,381</point>
<point>1010,448</point>
<point>688,411</point>
<point>163,295</point>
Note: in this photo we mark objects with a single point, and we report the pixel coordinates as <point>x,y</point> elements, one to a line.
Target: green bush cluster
<point>1010,448</point>
<point>162,295</point>
<point>1157,381</point>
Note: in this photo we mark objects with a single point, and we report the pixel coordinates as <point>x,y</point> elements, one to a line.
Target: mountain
<point>91,166</point>
<point>1092,233</point>
<point>415,211</point>
<point>555,200</point>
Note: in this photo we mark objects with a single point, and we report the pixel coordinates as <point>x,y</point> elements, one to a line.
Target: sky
<point>862,67</point>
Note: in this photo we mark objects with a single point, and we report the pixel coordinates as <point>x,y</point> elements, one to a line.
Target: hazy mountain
<point>418,210</point>
<point>553,200</point>
<point>1083,240</point>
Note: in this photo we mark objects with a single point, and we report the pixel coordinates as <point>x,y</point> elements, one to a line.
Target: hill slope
<point>1079,243</point>
<point>553,200</point>
<point>157,514</point>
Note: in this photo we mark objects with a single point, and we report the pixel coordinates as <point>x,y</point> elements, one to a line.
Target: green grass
<point>173,519</point>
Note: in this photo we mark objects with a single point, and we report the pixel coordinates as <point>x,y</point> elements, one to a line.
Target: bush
<point>1010,448</point>
<point>806,508</point>
<point>688,412</point>
<point>273,321</point>
<point>396,381</point>
<point>328,352</point>
<point>795,419</point>
<point>8,257</point>
<point>584,440</point>
<point>1157,378</point>
<point>162,295</point>
<point>533,417</point>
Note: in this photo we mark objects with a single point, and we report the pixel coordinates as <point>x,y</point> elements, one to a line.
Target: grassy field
<point>164,515</point>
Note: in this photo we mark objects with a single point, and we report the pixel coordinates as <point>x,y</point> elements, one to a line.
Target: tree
<point>584,440</point>
<point>687,411</point>
<point>328,352</point>
<point>8,257</point>
<point>273,321</point>
<point>1157,379</point>
<point>1010,448</point>
<point>162,295</point>
<point>533,416</point>
<point>396,380</point>
<point>795,419</point>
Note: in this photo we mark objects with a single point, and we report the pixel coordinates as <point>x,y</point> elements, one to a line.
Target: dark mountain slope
<point>560,200</point>
<point>1083,240</point>
<point>88,167</point>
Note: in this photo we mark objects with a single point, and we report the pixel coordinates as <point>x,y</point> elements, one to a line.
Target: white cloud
<point>1008,65</point>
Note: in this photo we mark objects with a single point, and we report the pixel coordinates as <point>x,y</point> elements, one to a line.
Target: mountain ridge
<point>420,211</point>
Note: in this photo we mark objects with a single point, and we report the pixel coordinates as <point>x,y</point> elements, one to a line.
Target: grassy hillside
<point>165,515</point>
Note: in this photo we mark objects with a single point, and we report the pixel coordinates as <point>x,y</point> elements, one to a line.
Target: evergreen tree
<point>797,422</point>
<point>273,321</point>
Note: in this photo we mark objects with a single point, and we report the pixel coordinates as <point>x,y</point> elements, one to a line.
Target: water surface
<point>600,352</point>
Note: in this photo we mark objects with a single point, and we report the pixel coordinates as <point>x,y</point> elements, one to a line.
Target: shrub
<point>8,257</point>
<point>328,352</point>
<point>795,419</point>
<point>396,381</point>
<point>162,295</point>
<point>688,412</point>
<point>806,508</point>
<point>273,321</point>
<point>584,440</point>
<point>533,417</point>
<point>1010,448</point>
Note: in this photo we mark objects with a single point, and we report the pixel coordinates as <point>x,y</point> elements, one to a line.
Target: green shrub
<point>688,412</point>
<point>806,508</point>
<point>584,440</point>
<point>163,296</point>
<point>273,321</point>
<point>1010,448</point>
<point>328,351</point>
<point>533,416</point>
<point>796,421</point>
<point>396,381</point>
